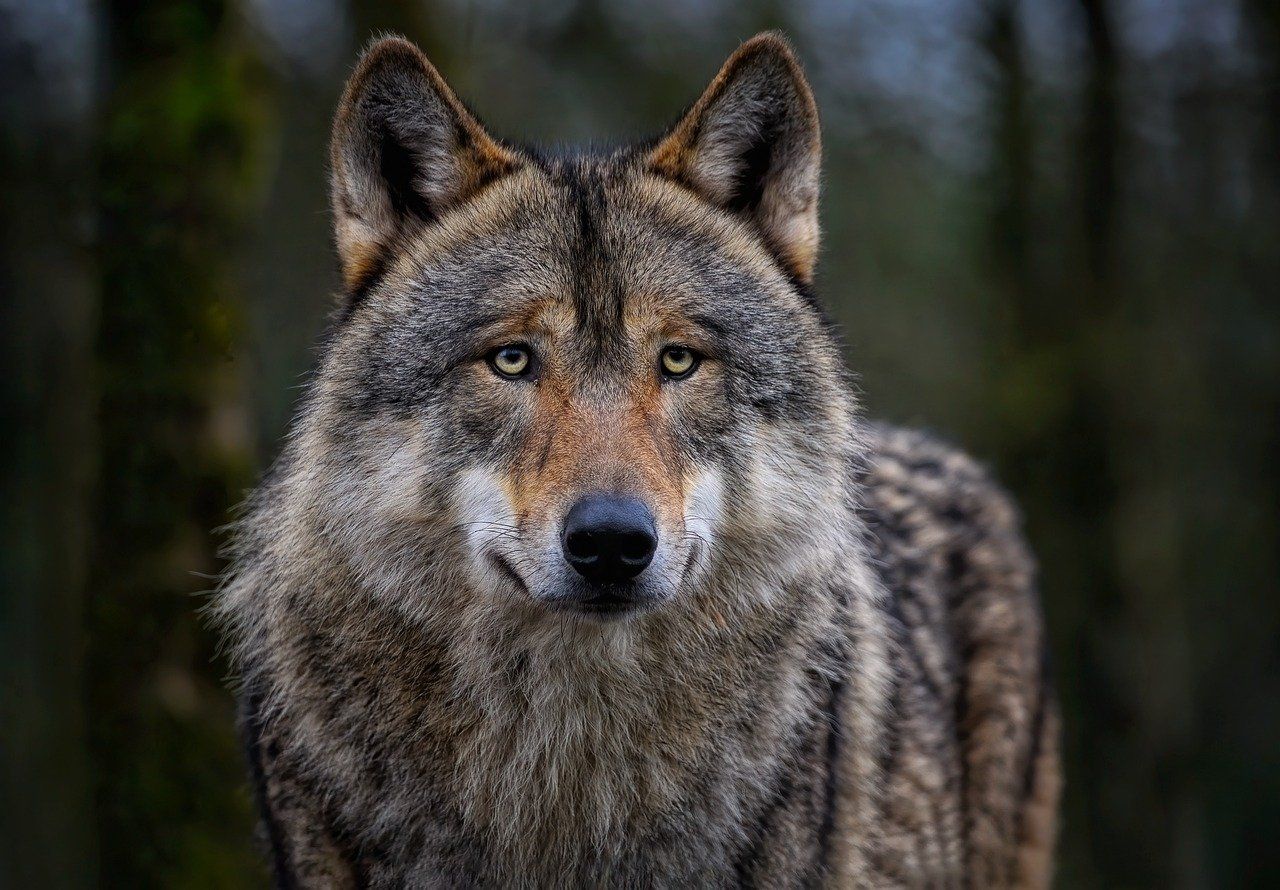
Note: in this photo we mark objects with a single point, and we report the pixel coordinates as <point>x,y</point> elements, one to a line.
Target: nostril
<point>637,547</point>
<point>581,546</point>
<point>609,538</point>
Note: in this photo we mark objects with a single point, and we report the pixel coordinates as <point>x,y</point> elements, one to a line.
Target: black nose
<point>609,538</point>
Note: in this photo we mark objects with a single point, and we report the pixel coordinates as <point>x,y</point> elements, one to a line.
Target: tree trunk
<point>46,456</point>
<point>176,176</point>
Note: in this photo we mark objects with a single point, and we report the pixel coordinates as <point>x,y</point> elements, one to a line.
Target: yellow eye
<point>511,361</point>
<point>678,361</point>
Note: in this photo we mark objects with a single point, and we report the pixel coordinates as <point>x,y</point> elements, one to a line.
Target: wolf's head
<point>583,385</point>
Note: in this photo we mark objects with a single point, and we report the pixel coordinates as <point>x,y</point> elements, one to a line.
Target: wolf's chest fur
<point>556,753</point>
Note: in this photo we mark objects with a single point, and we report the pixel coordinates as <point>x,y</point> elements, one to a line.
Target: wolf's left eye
<point>511,361</point>
<point>678,362</point>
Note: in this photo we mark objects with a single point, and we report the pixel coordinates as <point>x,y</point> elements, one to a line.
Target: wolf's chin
<point>601,613</point>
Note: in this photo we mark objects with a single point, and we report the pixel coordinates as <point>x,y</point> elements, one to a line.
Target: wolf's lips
<point>614,601</point>
<point>609,602</point>
<point>505,569</point>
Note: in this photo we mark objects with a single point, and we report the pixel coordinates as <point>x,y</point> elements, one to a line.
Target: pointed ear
<point>405,150</point>
<point>751,145</point>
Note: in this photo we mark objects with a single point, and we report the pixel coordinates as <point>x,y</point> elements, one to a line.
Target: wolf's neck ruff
<point>619,727</point>
<point>563,740</point>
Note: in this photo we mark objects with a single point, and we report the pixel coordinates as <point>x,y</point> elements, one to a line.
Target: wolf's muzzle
<point>609,539</point>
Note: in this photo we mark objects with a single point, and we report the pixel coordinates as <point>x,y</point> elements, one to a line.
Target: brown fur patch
<point>574,448</point>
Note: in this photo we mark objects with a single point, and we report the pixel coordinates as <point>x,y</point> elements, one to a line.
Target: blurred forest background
<point>1052,234</point>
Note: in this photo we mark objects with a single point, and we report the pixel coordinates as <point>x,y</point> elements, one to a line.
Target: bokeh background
<point>1052,235</point>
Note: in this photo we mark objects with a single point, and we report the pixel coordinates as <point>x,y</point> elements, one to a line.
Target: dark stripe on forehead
<point>598,291</point>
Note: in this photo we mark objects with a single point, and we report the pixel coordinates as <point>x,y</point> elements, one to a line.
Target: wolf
<point>581,566</point>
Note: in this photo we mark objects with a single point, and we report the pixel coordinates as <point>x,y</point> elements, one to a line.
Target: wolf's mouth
<point>505,569</point>
<point>691,559</point>
<point>607,603</point>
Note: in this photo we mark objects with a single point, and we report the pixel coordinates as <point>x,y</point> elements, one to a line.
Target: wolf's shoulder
<point>920,484</point>
<point>972,701</point>
<point>933,509</point>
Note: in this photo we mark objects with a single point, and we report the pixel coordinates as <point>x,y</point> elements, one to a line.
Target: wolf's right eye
<point>678,362</point>
<point>511,361</point>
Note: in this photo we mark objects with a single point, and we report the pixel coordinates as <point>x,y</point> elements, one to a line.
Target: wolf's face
<point>585,385</point>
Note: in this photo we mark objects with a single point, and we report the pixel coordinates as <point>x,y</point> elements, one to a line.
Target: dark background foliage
<point>1051,235</point>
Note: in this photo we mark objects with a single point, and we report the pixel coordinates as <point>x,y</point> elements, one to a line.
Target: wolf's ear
<point>751,145</point>
<point>405,150</point>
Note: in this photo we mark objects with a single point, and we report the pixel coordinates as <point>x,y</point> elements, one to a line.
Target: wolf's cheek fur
<point>378,503</point>
<point>487,525</point>
<point>703,515</point>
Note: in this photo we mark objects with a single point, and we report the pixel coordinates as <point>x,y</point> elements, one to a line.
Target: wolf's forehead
<point>601,244</point>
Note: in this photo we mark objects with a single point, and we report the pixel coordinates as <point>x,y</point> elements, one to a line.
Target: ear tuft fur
<point>751,145</point>
<point>404,152</point>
